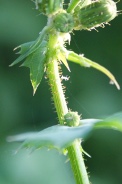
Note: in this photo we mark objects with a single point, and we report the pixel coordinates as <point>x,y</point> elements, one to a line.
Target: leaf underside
<point>56,136</point>
<point>60,137</point>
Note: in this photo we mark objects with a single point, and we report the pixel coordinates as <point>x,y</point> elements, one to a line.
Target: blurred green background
<point>88,92</point>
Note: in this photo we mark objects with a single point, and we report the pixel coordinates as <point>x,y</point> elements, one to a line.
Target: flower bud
<point>64,22</point>
<point>71,119</point>
<point>97,13</point>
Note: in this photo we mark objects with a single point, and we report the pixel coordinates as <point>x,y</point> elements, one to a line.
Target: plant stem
<point>74,151</point>
<point>56,88</point>
<point>77,163</point>
<point>72,5</point>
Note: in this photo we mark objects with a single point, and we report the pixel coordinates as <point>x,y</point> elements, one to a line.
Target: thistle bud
<point>64,22</point>
<point>71,119</point>
<point>97,13</point>
<point>48,6</point>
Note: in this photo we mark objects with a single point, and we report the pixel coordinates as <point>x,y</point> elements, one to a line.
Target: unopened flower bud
<point>97,13</point>
<point>64,22</point>
<point>71,119</point>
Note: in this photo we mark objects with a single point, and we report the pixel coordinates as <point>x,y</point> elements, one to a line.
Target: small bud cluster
<point>71,119</point>
<point>86,15</point>
<point>64,22</point>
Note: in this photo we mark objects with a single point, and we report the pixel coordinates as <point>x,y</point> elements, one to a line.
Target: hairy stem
<point>56,88</point>
<point>74,151</point>
<point>77,163</point>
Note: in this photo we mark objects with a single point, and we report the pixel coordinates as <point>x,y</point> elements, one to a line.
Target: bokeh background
<point>88,92</point>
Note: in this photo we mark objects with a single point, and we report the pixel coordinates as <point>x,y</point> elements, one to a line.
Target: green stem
<point>77,163</point>
<point>56,88</point>
<point>72,5</point>
<point>74,151</point>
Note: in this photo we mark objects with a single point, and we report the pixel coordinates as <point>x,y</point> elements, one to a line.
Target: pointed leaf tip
<point>36,62</point>
<point>62,57</point>
<point>35,86</point>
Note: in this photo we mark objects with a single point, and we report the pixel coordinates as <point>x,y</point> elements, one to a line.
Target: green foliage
<point>28,48</point>
<point>36,63</point>
<point>35,52</point>
<point>112,122</point>
<point>87,90</point>
<point>46,54</point>
<point>57,136</point>
<point>61,137</point>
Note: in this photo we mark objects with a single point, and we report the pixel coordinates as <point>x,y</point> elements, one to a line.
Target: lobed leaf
<point>36,63</point>
<point>26,50</point>
<point>30,47</point>
<point>24,47</point>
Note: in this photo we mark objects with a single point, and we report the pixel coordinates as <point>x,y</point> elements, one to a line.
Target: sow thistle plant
<point>45,55</point>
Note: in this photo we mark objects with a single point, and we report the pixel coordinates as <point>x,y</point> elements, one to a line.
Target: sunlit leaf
<point>57,136</point>
<point>27,49</point>
<point>81,60</point>
<point>36,62</point>
<point>62,57</point>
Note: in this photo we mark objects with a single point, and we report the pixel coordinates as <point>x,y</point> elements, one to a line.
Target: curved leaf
<point>24,47</point>
<point>57,136</point>
<point>81,60</point>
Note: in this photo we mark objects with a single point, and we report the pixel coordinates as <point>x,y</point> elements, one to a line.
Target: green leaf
<point>36,63</point>
<point>24,47</point>
<point>27,48</point>
<point>61,137</point>
<point>57,136</point>
<point>81,60</point>
<point>30,50</point>
<point>112,122</point>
